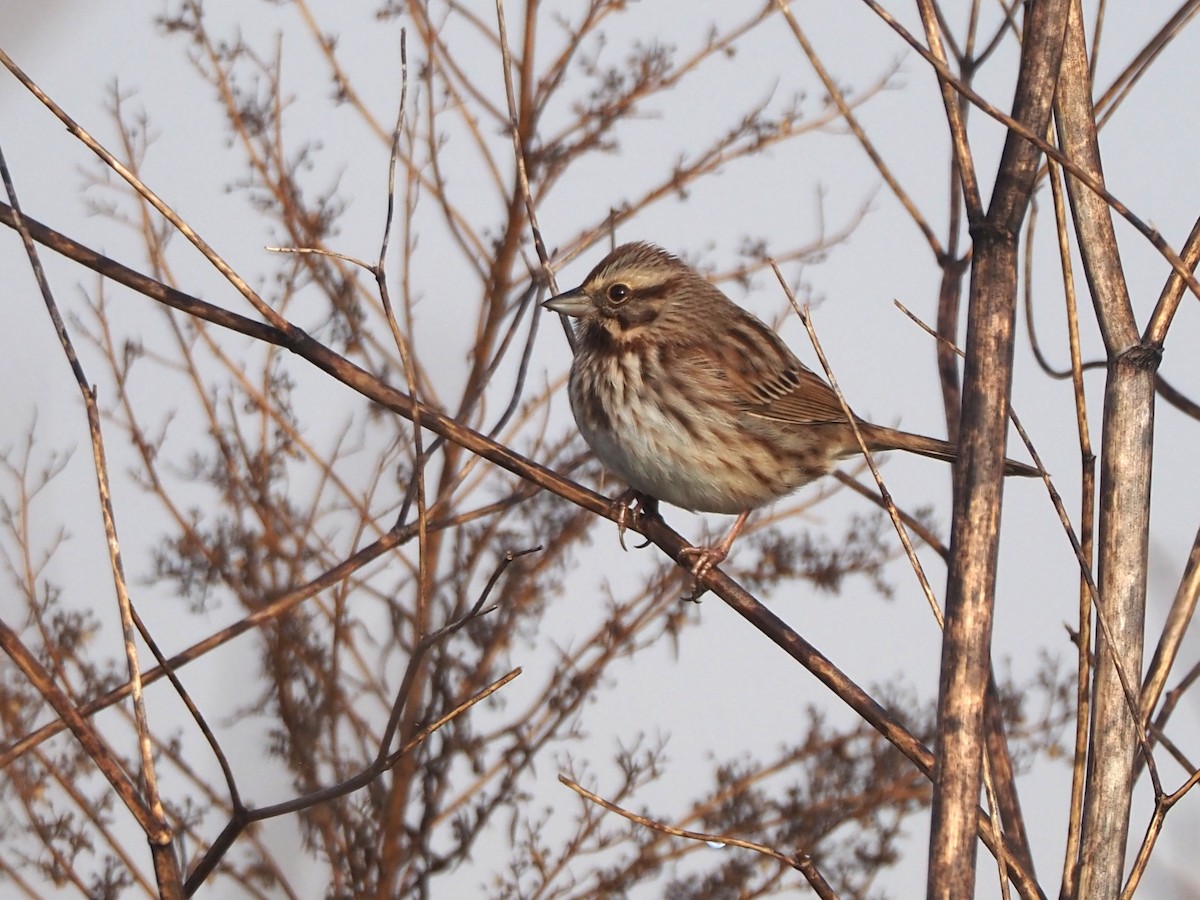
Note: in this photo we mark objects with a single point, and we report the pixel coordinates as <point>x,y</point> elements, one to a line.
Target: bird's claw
<point>626,515</point>
<point>705,559</point>
<point>708,557</point>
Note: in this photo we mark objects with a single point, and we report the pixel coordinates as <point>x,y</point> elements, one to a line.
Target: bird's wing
<point>797,395</point>
<point>764,378</point>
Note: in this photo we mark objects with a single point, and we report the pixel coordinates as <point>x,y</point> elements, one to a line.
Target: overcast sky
<point>724,675</point>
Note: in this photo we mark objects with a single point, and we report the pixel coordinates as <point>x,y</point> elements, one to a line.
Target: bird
<point>694,401</point>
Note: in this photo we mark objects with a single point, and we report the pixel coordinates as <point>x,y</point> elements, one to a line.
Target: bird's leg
<point>647,508</point>
<point>707,557</point>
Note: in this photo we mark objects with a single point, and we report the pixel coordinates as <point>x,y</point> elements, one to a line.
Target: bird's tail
<point>880,438</point>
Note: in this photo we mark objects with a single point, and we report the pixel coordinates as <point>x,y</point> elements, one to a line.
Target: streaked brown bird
<point>694,401</point>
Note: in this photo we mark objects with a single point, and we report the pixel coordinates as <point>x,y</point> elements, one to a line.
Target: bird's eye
<point>619,293</point>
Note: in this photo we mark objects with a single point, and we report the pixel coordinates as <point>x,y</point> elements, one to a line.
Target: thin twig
<point>1151,234</point>
<point>385,758</point>
<point>158,829</point>
<point>889,504</point>
<point>801,862</point>
<point>138,185</point>
<point>839,99</point>
<point>514,127</point>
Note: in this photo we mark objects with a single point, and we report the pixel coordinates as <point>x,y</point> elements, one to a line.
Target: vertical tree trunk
<point>1126,446</point>
<point>970,590</point>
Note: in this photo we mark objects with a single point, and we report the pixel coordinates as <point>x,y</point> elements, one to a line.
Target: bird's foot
<point>705,558</point>
<point>626,514</point>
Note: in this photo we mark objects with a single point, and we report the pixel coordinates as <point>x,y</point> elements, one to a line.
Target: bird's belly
<point>706,462</point>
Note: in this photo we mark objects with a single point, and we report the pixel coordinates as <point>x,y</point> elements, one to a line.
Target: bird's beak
<point>570,303</point>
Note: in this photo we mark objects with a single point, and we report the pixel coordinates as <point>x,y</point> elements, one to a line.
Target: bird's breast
<point>664,431</point>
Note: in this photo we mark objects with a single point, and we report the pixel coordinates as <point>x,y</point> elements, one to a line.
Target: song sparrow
<point>692,400</point>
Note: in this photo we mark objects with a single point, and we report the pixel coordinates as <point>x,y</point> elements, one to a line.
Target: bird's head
<point>636,286</point>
